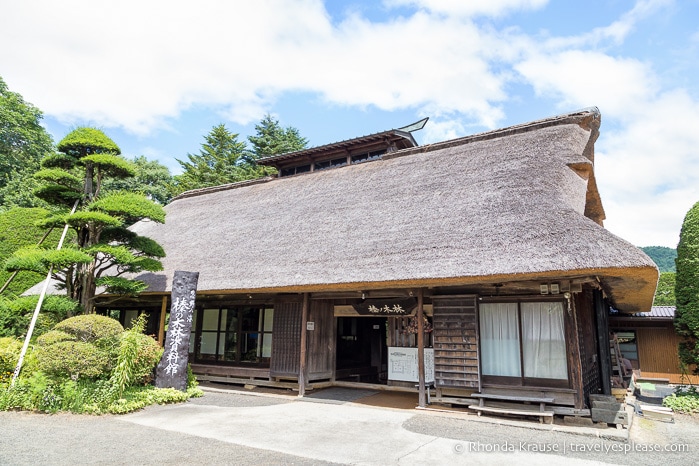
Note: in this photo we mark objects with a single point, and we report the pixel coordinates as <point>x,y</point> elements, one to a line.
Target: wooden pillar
<point>421,349</point>
<point>161,327</point>
<point>605,357</point>
<point>574,354</point>
<point>304,339</point>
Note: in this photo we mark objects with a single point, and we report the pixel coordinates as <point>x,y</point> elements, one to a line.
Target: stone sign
<point>172,369</point>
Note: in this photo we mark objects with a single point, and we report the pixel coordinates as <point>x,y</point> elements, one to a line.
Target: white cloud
<point>646,161</point>
<point>138,65</point>
<point>647,169</point>
<point>580,78</point>
<point>470,7</point>
<point>134,64</point>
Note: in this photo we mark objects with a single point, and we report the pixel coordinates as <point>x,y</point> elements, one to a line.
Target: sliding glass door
<point>523,343</point>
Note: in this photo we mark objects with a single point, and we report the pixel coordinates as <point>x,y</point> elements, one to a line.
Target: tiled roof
<point>659,311</point>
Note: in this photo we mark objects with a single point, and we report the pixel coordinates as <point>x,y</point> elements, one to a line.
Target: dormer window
<point>338,154</point>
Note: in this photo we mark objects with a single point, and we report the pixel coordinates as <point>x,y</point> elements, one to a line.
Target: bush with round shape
<point>74,359</point>
<point>54,336</point>
<point>90,328</point>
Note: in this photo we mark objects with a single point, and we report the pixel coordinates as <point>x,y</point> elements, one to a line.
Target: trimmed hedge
<point>687,289</point>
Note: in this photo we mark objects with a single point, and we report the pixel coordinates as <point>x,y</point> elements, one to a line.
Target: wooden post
<point>574,354</point>
<point>421,349</point>
<point>161,327</point>
<point>302,365</point>
<point>605,357</point>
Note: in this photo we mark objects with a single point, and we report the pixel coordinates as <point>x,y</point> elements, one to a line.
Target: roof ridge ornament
<point>417,126</point>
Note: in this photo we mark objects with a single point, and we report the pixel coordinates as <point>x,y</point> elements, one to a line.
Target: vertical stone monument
<point>172,369</point>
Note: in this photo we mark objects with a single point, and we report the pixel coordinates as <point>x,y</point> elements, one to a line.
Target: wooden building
<point>485,254</point>
<point>649,341</point>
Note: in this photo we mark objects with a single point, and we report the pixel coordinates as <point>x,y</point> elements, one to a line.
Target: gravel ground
<point>38,439</point>
<point>645,434</point>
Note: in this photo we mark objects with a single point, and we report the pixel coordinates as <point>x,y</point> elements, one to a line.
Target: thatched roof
<point>500,206</point>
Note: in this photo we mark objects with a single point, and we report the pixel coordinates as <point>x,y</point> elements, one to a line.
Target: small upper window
<point>338,162</point>
<point>322,165</point>
<point>365,157</point>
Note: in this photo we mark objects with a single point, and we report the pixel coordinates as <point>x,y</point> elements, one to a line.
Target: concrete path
<point>343,433</point>
<point>233,427</point>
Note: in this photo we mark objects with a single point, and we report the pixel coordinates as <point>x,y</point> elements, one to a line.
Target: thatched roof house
<point>483,227</point>
<point>514,204</point>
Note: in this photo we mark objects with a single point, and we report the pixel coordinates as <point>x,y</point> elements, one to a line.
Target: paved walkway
<point>230,427</point>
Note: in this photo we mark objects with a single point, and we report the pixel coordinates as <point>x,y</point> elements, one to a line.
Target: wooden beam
<point>304,339</point>
<point>161,327</point>
<point>421,349</point>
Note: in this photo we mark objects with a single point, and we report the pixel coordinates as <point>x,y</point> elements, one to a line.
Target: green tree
<point>271,139</point>
<point>687,289</point>
<point>219,161</point>
<point>103,249</point>
<point>152,179</point>
<point>663,257</point>
<point>23,141</point>
<point>665,294</point>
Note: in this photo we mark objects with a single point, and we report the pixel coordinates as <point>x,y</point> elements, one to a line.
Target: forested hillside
<point>663,257</point>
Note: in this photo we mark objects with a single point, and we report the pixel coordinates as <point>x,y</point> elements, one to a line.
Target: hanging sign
<point>386,307</point>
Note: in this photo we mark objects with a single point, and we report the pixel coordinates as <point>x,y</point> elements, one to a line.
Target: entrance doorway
<point>361,349</point>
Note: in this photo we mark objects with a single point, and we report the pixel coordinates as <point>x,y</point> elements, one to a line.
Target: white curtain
<point>499,339</point>
<point>543,341</point>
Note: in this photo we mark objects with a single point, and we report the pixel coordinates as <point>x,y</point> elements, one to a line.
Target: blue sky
<point>158,75</point>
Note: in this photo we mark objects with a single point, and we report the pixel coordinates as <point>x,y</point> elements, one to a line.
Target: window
<point>523,343</point>
<point>295,170</point>
<point>321,165</point>
<point>365,157</point>
<point>233,335</point>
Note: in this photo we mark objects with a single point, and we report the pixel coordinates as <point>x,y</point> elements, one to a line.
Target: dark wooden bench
<point>507,406</point>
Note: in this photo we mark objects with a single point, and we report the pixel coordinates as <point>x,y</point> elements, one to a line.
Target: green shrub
<point>687,289</point>
<point>149,354</point>
<point>16,314</point>
<point>686,402</point>
<point>90,328</point>
<point>54,336</point>
<point>138,354</point>
<point>9,354</point>
<point>74,359</point>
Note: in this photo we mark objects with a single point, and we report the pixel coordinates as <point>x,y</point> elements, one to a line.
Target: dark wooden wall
<point>321,340</point>
<point>455,342</point>
<point>286,340</point>
<point>588,341</point>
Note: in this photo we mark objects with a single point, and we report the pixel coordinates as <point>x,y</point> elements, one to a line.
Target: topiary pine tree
<point>687,289</point>
<point>103,249</point>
